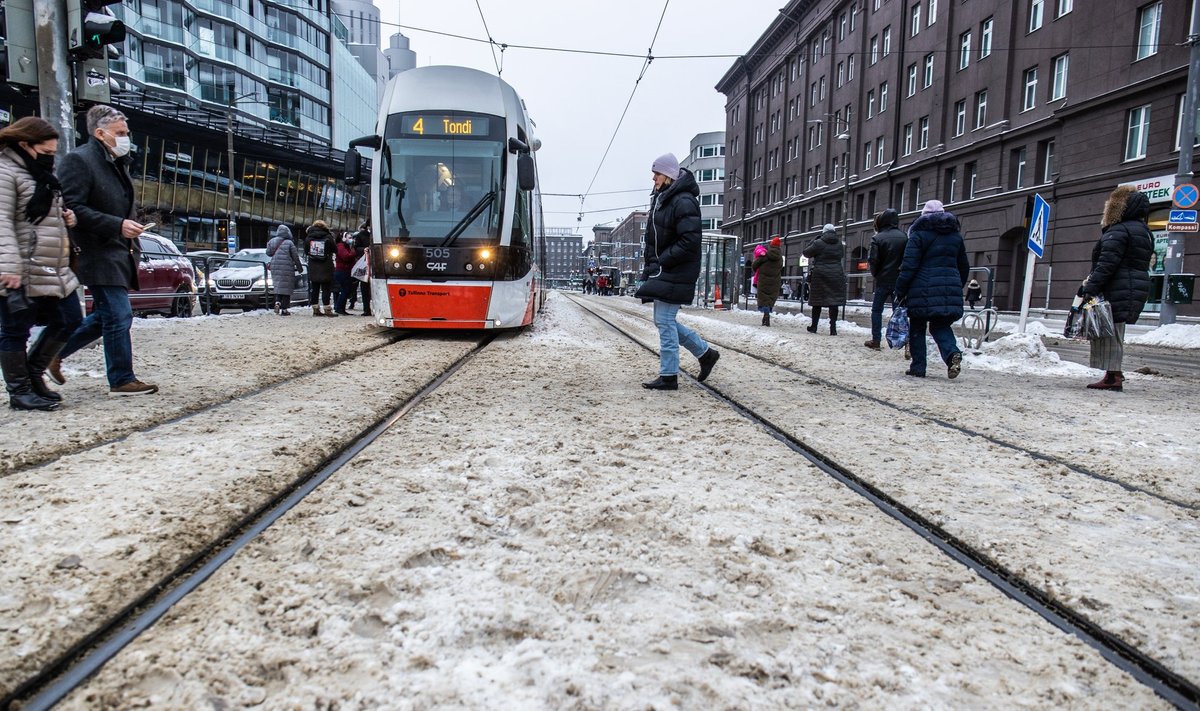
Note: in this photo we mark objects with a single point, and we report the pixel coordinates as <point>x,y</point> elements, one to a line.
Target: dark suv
<point>166,280</point>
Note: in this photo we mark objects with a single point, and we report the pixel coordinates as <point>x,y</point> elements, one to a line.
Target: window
<point>841,74</point>
<point>1059,89</point>
<point>915,20</point>
<point>928,82</point>
<point>1029,96</point>
<point>1035,14</point>
<point>874,49</point>
<point>843,22</point>
<point>951,184</point>
<point>923,143</point>
<point>912,79</point>
<point>879,151</point>
<point>1064,6</point>
<point>822,88</point>
<point>964,50</point>
<point>985,38</point>
<point>960,117</point>
<point>854,16</point>
<point>883,97</point>
<point>981,108</point>
<point>1182,122</point>
<point>871,104</point>
<point>972,176</point>
<point>887,40</point>
<point>1137,133</point>
<point>932,12</point>
<point>850,68</point>
<point>1149,18</point>
<point>908,136</point>
<point>1017,161</point>
<point>868,155</point>
<point>1046,160</point>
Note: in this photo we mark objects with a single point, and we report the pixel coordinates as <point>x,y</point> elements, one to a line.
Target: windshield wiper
<point>472,215</point>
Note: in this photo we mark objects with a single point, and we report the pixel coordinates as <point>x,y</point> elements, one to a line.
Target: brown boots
<point>1112,380</point>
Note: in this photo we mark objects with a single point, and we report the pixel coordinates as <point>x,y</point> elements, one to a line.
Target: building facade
<point>399,57</point>
<point>842,109</point>
<point>564,256</point>
<point>706,160</point>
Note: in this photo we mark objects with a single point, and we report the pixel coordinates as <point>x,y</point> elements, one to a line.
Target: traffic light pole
<point>1173,264</point>
<point>55,83</point>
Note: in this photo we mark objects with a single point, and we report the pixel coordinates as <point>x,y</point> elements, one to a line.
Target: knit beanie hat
<point>666,164</point>
<point>283,231</point>
<point>775,242</point>
<point>933,206</point>
<point>829,228</point>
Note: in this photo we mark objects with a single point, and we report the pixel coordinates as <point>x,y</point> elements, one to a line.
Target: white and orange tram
<point>456,218</point>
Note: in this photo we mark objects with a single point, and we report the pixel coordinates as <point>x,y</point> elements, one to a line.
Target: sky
<point>576,100</point>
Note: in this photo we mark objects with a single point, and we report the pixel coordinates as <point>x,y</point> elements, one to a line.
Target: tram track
<point>1172,686</point>
<point>86,656</point>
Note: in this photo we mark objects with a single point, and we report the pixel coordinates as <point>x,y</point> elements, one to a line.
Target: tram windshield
<point>441,177</point>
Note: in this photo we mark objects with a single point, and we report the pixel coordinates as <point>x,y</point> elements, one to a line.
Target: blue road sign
<point>1182,216</point>
<point>1039,225</point>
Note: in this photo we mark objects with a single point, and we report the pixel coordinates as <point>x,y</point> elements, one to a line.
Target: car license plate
<point>234,297</point>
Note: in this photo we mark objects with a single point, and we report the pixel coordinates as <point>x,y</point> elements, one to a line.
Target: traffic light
<point>90,27</point>
<point>20,49</point>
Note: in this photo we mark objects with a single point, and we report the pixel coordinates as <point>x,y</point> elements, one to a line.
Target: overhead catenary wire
<point>491,42</point>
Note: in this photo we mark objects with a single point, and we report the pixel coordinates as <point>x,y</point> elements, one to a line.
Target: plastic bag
<point>360,270</point>
<point>1098,319</point>
<point>897,327</point>
<point>1074,326</point>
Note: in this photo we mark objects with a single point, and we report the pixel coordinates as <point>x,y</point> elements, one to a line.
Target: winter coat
<point>974,292</point>
<point>320,271</point>
<point>672,243</point>
<point>285,262</point>
<point>887,249</point>
<point>1121,258</point>
<point>769,267</point>
<point>98,188</point>
<point>935,268</point>
<point>40,253</point>
<point>827,275</point>
<point>345,258</point>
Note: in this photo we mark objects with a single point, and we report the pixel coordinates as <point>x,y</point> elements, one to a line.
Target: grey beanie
<point>829,228</point>
<point>283,231</point>
<point>666,164</point>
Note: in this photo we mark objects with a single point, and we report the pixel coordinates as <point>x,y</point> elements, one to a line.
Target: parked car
<point>205,261</point>
<point>244,282</point>
<point>166,280</point>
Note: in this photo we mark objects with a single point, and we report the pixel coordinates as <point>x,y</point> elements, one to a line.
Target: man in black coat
<point>885,257</point>
<point>96,185</point>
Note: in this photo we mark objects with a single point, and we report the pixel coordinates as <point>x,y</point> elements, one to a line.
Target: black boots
<point>16,378</point>
<point>665,382</point>
<point>833,314</point>
<point>707,361</point>
<point>767,319</point>
<point>43,351</point>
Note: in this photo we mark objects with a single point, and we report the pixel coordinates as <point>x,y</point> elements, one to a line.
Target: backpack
<point>316,249</point>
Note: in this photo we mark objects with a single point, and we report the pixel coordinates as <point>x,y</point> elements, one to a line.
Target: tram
<point>456,216</point>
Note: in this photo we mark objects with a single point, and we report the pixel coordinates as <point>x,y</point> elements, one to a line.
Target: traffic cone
<point>717,294</point>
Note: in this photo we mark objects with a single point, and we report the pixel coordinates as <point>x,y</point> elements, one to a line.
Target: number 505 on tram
<point>456,217</point>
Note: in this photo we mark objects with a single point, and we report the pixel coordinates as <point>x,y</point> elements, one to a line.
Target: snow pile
<point>1023,353</point>
<point>1176,335</point>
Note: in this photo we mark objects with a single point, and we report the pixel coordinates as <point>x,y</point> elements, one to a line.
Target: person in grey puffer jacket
<point>827,278</point>
<point>35,271</point>
<point>1121,273</point>
<point>285,262</point>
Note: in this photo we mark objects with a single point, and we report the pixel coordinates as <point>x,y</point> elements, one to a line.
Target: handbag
<point>1098,319</point>
<point>360,270</point>
<point>897,327</point>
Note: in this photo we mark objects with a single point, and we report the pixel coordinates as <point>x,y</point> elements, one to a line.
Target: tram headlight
<point>485,254</point>
<point>394,252</point>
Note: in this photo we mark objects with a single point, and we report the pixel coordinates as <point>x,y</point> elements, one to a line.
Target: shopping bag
<point>897,327</point>
<point>1074,325</point>
<point>360,270</point>
<point>1098,319</point>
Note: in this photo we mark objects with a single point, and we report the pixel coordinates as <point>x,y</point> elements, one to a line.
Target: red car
<point>166,279</point>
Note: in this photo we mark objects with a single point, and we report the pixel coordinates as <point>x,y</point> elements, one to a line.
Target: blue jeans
<point>671,334</point>
<point>61,316</point>
<point>110,319</point>
<point>882,295</point>
<point>943,335</point>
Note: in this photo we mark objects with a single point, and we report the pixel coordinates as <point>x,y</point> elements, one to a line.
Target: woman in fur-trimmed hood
<point>1121,274</point>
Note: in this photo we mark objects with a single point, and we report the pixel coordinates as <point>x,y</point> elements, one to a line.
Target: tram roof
<point>449,88</point>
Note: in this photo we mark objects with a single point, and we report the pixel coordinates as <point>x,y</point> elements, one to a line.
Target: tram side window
<point>522,228</point>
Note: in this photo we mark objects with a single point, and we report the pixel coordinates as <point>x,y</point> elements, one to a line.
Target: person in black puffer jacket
<point>827,277</point>
<point>1121,273</point>
<point>321,247</point>
<point>887,252</point>
<point>930,284</point>
<point>672,252</point>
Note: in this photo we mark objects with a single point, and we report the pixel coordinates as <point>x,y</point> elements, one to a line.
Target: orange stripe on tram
<point>439,305</point>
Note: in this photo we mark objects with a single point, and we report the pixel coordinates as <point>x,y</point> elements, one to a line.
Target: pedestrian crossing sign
<point>1038,225</point>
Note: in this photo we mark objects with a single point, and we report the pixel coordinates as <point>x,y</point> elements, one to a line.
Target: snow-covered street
<point>543,533</point>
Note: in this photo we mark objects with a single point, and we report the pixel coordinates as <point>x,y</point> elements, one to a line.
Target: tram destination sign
<point>444,125</point>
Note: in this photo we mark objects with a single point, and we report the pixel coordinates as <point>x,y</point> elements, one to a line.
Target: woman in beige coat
<point>35,275</point>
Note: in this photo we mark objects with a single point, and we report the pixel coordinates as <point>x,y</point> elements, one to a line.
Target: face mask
<point>45,161</point>
<point>122,146</point>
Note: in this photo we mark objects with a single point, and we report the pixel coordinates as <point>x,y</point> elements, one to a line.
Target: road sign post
<point>1039,225</point>
<point>1183,198</point>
